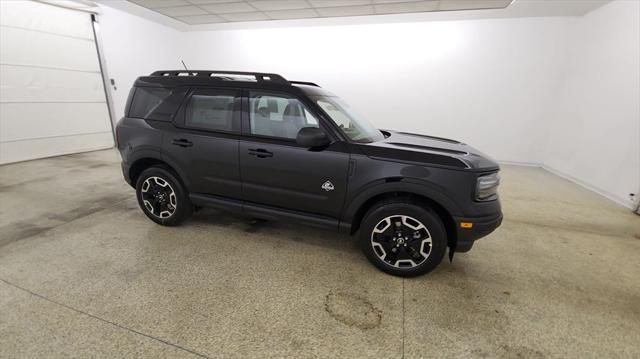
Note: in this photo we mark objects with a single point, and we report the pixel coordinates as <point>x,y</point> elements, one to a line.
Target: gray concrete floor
<point>84,273</point>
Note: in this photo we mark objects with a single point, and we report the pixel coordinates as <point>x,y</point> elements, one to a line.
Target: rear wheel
<point>403,238</point>
<point>162,197</point>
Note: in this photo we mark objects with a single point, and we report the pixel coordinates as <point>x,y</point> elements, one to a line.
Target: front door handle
<point>182,142</point>
<point>260,153</point>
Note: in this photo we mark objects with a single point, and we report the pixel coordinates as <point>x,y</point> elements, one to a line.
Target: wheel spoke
<point>401,241</point>
<point>412,223</point>
<point>382,226</point>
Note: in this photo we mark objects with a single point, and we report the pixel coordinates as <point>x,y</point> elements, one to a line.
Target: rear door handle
<point>182,142</point>
<point>260,153</point>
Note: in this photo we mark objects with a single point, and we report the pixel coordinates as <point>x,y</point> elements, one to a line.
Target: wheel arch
<point>142,164</point>
<point>444,207</point>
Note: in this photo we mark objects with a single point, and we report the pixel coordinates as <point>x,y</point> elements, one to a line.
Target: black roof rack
<point>259,76</point>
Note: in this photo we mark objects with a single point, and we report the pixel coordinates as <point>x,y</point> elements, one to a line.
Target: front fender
<point>407,185</point>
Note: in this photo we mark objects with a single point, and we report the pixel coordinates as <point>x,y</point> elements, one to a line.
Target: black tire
<point>178,208</point>
<point>409,245</point>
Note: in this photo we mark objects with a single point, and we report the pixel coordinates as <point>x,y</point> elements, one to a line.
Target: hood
<point>429,150</point>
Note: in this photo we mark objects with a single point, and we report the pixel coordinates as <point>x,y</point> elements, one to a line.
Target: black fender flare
<point>407,185</point>
<point>142,154</point>
<point>147,154</point>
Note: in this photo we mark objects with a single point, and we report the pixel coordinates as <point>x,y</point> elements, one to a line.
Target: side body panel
<point>293,177</point>
<point>209,163</point>
<point>208,159</point>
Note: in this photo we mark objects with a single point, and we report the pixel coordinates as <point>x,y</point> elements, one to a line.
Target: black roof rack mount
<point>304,83</point>
<point>259,76</point>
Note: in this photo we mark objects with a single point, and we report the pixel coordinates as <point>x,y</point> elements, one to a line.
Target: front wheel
<point>162,197</point>
<point>403,238</point>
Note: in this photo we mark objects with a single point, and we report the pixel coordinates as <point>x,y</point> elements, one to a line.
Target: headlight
<point>487,187</point>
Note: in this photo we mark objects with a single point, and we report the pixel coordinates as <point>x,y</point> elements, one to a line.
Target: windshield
<point>354,126</point>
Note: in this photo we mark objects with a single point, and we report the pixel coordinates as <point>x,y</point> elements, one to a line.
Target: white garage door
<point>52,99</point>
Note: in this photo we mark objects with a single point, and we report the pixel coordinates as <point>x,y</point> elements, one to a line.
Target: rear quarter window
<point>155,103</point>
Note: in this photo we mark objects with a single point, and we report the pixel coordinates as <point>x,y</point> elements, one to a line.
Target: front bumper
<point>480,227</point>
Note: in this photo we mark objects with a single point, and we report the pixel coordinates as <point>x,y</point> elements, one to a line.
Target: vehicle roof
<point>207,78</point>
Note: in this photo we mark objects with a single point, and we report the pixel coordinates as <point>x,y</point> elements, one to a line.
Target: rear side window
<point>213,110</point>
<point>146,100</point>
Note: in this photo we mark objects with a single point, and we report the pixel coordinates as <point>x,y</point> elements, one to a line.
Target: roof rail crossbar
<point>259,76</point>
<point>304,83</point>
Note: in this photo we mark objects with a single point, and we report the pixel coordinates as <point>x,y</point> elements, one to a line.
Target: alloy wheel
<point>401,241</point>
<point>158,197</point>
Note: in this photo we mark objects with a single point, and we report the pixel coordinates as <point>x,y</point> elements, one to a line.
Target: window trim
<point>180,120</point>
<point>246,117</point>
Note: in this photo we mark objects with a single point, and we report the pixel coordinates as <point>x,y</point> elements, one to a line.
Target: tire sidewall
<point>183,205</point>
<point>425,215</point>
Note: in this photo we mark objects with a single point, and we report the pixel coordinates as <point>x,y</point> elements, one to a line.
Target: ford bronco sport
<point>268,148</point>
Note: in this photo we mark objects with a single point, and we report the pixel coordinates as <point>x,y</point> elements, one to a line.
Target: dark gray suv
<point>265,147</point>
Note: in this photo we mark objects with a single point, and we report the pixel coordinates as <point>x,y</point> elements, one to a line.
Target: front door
<point>276,171</point>
<point>203,143</point>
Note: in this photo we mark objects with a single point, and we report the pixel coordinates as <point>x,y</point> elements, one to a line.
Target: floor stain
<point>22,229</point>
<point>20,185</point>
<point>75,213</point>
<point>255,225</point>
<point>217,218</point>
<point>352,310</point>
<point>519,351</point>
<point>506,351</point>
<point>601,229</point>
<point>18,230</point>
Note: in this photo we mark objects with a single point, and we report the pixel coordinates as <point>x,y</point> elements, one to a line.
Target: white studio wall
<point>134,47</point>
<point>533,90</point>
<point>595,136</point>
<point>52,99</point>
<point>485,82</point>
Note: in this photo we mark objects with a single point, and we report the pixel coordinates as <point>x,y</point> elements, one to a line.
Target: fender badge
<point>328,186</point>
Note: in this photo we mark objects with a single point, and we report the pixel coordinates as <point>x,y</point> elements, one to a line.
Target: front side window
<point>355,127</point>
<point>278,115</point>
<point>211,110</point>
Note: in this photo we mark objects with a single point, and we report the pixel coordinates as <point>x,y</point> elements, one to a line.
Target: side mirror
<point>312,137</point>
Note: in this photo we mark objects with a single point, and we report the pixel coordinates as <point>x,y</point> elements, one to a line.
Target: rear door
<point>280,173</point>
<point>203,142</point>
